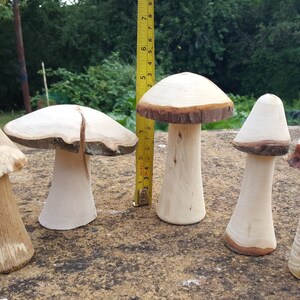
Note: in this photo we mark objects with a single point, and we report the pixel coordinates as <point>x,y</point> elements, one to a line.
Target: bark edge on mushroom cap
<point>265,131</point>
<point>103,135</point>
<point>264,148</point>
<point>185,98</point>
<point>186,115</point>
<point>91,148</point>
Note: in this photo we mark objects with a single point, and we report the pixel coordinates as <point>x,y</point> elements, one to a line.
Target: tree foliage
<point>5,10</point>
<point>246,46</point>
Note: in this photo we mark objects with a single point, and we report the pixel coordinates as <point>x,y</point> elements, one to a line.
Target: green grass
<point>5,117</point>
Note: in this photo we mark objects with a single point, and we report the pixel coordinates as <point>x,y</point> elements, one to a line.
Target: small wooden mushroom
<point>184,100</point>
<point>76,133</point>
<point>263,136</point>
<point>294,260</point>
<point>15,245</point>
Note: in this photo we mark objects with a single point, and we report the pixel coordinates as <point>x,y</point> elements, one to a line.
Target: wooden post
<point>21,57</point>
<point>45,83</point>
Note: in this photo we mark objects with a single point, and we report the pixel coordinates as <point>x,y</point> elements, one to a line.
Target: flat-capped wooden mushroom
<point>15,245</point>
<point>184,100</point>
<point>76,132</point>
<point>294,260</point>
<point>263,136</point>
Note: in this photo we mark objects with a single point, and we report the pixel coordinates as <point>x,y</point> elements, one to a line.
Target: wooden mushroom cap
<point>59,126</point>
<point>294,159</point>
<point>11,158</point>
<point>185,98</point>
<point>265,131</point>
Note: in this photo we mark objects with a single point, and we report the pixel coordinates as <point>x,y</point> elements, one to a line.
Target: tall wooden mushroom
<point>75,132</point>
<point>294,260</point>
<point>184,100</point>
<point>263,136</point>
<point>15,245</point>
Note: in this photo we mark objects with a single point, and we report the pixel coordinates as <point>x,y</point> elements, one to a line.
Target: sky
<point>69,1</point>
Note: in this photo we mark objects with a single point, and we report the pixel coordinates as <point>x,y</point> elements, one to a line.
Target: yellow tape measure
<point>145,79</point>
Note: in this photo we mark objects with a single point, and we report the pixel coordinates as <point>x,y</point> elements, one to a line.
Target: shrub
<point>242,108</point>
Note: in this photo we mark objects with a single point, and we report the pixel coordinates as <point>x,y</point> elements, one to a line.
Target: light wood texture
<point>265,131</point>
<point>250,230</point>
<point>58,126</point>
<point>294,260</point>
<point>181,198</point>
<point>11,158</point>
<point>73,131</point>
<point>185,98</point>
<point>70,202</point>
<point>15,245</point>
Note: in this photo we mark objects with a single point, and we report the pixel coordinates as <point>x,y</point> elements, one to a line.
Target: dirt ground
<point>129,253</point>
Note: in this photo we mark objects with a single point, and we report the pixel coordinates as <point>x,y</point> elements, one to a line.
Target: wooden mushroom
<point>184,100</point>
<point>263,136</point>
<point>76,132</point>
<point>294,260</point>
<point>16,248</point>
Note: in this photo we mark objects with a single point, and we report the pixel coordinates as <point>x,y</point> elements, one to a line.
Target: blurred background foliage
<point>247,47</point>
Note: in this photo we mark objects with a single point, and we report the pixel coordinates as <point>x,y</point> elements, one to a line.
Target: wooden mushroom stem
<point>15,245</point>
<point>250,230</point>
<point>70,202</point>
<point>181,199</point>
<point>294,260</point>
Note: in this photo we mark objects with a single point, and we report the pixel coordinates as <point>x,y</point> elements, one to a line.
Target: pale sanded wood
<point>250,230</point>
<point>73,131</point>
<point>265,131</point>
<point>185,98</point>
<point>11,158</point>
<point>59,126</point>
<point>263,136</point>
<point>294,260</point>
<point>181,199</point>
<point>16,248</point>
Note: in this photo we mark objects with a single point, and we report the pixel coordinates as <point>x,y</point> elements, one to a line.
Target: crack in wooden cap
<point>59,127</point>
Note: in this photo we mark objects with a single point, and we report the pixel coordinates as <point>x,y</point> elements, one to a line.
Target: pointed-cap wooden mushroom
<point>265,131</point>
<point>263,136</point>
<point>73,131</point>
<point>15,245</point>
<point>184,100</point>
